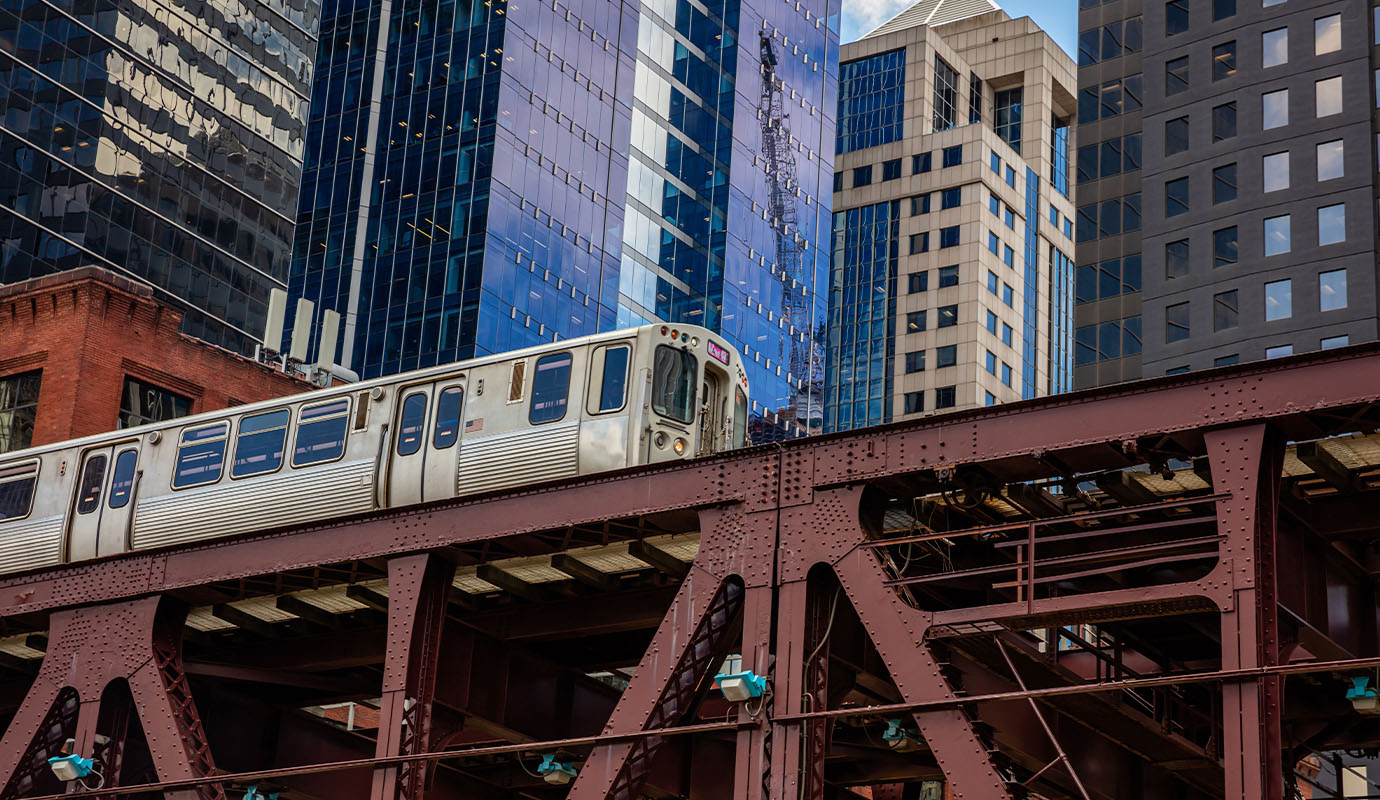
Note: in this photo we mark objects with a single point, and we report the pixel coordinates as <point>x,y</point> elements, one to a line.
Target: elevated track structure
<point>1153,591</point>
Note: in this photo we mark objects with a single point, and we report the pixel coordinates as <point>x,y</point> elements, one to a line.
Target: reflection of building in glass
<point>160,141</point>
<point>489,176</point>
<point>950,280</point>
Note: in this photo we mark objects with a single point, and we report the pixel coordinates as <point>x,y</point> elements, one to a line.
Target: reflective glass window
<point>1223,61</point>
<point>200,455</point>
<point>1334,341</point>
<point>891,170</point>
<point>1227,361</point>
<point>1176,197</point>
<point>1332,290</point>
<point>18,410</point>
<point>260,442</point>
<point>951,198</point>
<point>1221,9</point>
<point>122,479</point>
<point>1274,47</point>
<point>1224,121</point>
<point>673,386</point>
<point>945,397</point>
<point>1332,224</point>
<point>915,322</point>
<point>1176,259</point>
<point>945,96</point>
<point>449,405</point>
<point>948,237</point>
<point>1175,17</point>
<point>411,423</point>
<point>917,282</point>
<point>948,276</point>
<point>953,156</point>
<point>1224,247</point>
<point>1176,322</point>
<point>1176,136</point>
<point>948,316</point>
<point>321,431</point>
<point>142,403</point>
<point>1327,34</point>
<point>1274,170</point>
<point>1274,109</point>
<point>1225,310</point>
<point>946,356</point>
<point>862,176</point>
<point>914,402</point>
<point>1278,237</point>
<point>1279,300</point>
<point>1176,75</point>
<point>1329,96</point>
<point>1279,351</point>
<point>89,487</point>
<point>920,204</point>
<point>915,361</point>
<point>1224,183</point>
<point>1330,160</point>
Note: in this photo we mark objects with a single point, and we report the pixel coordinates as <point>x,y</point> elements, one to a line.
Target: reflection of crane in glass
<point>782,185</point>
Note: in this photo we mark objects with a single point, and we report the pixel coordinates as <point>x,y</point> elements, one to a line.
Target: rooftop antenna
<point>326,370</point>
<point>273,324</point>
<point>301,331</point>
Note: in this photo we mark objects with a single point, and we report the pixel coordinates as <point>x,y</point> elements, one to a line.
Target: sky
<point>1059,18</point>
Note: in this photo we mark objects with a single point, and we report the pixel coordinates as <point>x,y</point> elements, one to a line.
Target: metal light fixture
<point>740,686</point>
<point>71,767</point>
<point>556,773</point>
<point>253,793</point>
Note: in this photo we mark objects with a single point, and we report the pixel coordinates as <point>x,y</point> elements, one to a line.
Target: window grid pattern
<point>861,349</point>
<point>871,101</point>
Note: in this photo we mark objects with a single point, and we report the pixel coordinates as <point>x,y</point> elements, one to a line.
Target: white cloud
<point>861,16</point>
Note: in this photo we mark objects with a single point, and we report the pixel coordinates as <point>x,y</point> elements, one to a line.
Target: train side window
<point>608,386</point>
<point>122,480</point>
<point>410,424</point>
<point>200,455</point>
<point>448,407</point>
<point>550,388</point>
<point>321,433</point>
<point>259,446</point>
<point>17,483</point>
<point>89,488</point>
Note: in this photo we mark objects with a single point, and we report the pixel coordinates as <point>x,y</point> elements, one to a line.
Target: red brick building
<point>88,351</point>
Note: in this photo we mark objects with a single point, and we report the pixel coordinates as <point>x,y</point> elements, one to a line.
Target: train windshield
<point>673,383</point>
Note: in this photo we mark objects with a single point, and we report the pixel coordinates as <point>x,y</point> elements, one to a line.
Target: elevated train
<point>580,406</point>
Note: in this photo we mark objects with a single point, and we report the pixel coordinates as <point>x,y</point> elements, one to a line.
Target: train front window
<point>673,383</point>
<point>550,388</point>
<point>92,479</point>
<point>17,490</point>
<point>200,456</point>
<point>411,424</point>
<point>259,447</point>
<point>740,414</point>
<point>122,481</point>
<point>321,433</point>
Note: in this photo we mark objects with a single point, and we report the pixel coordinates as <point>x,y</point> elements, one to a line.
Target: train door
<point>103,508</point>
<point>426,431</point>
<point>711,415</point>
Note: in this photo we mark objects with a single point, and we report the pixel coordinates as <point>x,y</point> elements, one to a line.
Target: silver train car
<point>635,396</point>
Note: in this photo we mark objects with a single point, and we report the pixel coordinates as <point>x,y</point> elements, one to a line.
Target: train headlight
<point>694,341</point>
<point>660,440</point>
<point>679,446</point>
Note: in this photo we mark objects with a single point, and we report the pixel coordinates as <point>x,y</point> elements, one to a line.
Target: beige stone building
<point>951,278</point>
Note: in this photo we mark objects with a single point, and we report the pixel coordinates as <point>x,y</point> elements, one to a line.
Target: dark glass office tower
<point>1226,183</point>
<point>484,176</point>
<point>160,140</point>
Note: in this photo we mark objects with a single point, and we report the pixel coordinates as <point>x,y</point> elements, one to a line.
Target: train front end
<point>698,394</point>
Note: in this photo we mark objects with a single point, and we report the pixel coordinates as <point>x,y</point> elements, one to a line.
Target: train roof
<point>346,389</point>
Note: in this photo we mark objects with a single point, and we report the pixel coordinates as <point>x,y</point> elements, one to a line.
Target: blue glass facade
<point>1030,293</point>
<point>871,101</point>
<point>861,354</point>
<point>484,176</point>
<point>159,140</point>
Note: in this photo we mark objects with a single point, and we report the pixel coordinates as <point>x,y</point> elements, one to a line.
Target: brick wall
<point>87,329</point>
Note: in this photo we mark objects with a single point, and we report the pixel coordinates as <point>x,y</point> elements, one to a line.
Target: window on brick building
<point>142,403</point>
<point>18,408</point>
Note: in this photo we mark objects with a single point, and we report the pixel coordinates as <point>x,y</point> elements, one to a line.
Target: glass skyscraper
<point>485,176</point>
<point>159,140</point>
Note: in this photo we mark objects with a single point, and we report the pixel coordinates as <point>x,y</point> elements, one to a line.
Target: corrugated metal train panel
<point>526,456</point>
<point>295,498</point>
<point>31,543</point>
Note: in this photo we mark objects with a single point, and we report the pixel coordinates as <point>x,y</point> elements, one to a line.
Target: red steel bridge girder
<point>768,518</point>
